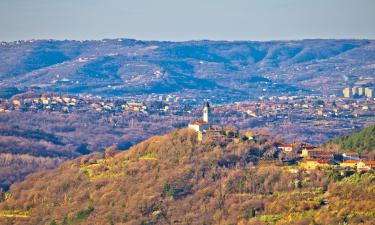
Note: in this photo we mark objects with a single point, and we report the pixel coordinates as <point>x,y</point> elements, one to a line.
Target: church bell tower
<point>206,111</point>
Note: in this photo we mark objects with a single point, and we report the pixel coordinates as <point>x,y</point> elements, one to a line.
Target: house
<point>202,125</point>
<point>250,135</point>
<point>317,153</point>
<point>285,147</point>
<point>366,165</point>
<point>17,103</point>
<point>349,163</point>
<point>350,156</point>
<point>66,99</point>
<point>45,101</point>
<point>316,163</point>
<point>58,99</point>
<point>256,136</point>
<point>289,147</point>
<point>2,108</point>
<point>135,106</point>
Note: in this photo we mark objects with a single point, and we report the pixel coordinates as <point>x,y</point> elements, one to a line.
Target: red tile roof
<point>200,123</point>
<point>281,145</point>
<point>369,163</point>
<point>351,161</point>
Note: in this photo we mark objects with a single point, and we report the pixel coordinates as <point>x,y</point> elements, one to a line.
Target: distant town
<point>292,117</point>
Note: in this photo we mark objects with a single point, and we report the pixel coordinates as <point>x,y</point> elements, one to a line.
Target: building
<point>202,125</point>
<point>134,106</point>
<point>350,156</point>
<point>354,91</point>
<point>206,111</point>
<point>289,147</point>
<point>349,163</point>
<point>360,91</point>
<point>255,136</point>
<point>198,125</point>
<point>357,91</point>
<point>346,92</point>
<point>316,163</point>
<point>366,165</point>
<point>285,147</point>
<point>368,92</point>
<point>317,153</point>
<point>17,103</point>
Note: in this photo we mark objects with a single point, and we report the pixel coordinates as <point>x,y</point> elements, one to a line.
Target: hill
<point>360,141</point>
<point>174,179</point>
<point>226,70</point>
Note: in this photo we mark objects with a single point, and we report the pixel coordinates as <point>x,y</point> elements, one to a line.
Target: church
<point>202,125</point>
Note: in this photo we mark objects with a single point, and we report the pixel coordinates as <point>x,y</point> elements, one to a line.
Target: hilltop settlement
<point>305,155</point>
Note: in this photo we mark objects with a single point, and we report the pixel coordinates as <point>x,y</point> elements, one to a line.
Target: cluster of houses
<point>323,116</point>
<point>312,107</point>
<point>307,156</point>
<point>82,103</point>
<point>311,157</point>
<point>62,103</point>
<point>70,103</point>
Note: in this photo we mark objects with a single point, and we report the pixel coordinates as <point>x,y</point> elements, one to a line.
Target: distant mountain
<point>175,179</point>
<point>360,141</point>
<point>239,69</point>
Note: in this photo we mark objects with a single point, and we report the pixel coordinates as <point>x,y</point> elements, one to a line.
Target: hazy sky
<point>186,19</point>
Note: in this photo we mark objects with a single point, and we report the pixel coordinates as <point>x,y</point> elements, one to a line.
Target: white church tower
<point>202,125</point>
<point>206,111</point>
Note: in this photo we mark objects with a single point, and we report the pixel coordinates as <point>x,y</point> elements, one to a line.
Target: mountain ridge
<point>118,67</point>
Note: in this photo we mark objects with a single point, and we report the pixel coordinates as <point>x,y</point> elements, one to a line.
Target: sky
<point>180,20</point>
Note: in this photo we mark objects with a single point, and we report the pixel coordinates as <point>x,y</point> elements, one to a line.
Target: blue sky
<point>186,19</point>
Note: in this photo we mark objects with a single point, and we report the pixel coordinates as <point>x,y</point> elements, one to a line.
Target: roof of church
<point>206,104</point>
<point>200,123</point>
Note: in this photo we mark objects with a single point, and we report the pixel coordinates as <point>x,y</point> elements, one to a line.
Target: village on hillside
<point>295,153</point>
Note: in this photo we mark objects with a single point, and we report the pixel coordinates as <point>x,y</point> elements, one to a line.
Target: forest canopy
<point>361,141</point>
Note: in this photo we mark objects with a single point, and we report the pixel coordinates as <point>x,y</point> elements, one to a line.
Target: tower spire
<point>206,111</point>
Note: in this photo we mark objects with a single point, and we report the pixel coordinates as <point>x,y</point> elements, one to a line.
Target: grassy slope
<point>172,179</point>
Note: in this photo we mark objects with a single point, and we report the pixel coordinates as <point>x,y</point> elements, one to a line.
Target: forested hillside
<point>174,179</point>
<point>361,141</point>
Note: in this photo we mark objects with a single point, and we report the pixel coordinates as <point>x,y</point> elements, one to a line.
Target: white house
<point>350,156</point>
